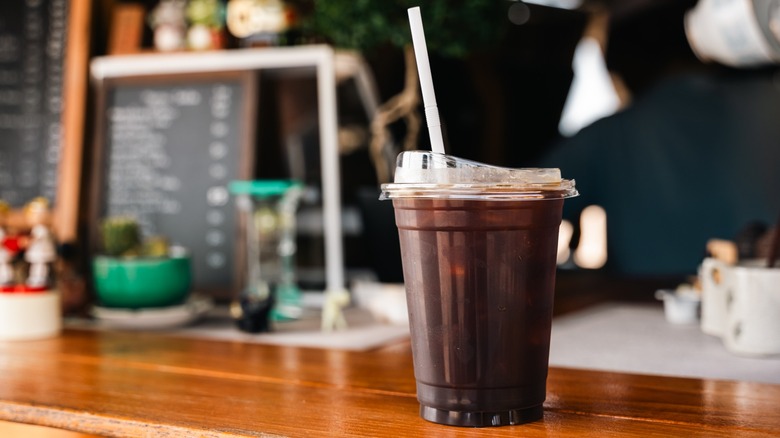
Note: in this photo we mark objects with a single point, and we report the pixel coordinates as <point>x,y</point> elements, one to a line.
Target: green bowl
<point>141,282</point>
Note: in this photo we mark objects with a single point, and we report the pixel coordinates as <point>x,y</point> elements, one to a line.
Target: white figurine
<point>332,310</point>
<point>6,270</point>
<point>39,254</point>
<point>169,24</point>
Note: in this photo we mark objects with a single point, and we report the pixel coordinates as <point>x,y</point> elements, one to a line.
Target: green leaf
<point>452,28</point>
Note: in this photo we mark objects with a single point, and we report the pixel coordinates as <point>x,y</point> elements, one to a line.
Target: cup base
<point>482,419</point>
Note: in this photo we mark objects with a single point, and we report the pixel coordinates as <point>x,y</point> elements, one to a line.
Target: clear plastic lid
<point>426,174</point>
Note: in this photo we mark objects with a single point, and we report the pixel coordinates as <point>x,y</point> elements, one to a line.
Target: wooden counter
<point>139,384</point>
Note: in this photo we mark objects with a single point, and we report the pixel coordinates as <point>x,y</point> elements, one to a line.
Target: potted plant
<point>453,29</point>
<point>135,273</point>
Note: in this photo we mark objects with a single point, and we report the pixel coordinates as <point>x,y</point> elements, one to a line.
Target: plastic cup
<point>478,248</point>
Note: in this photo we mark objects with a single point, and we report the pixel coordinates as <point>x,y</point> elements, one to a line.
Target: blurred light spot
<point>217,196</point>
<point>218,150</point>
<point>215,260</point>
<point>565,232</point>
<point>519,13</point>
<point>560,4</point>
<point>218,171</point>
<point>592,95</point>
<point>591,253</point>
<point>215,217</point>
<point>215,237</point>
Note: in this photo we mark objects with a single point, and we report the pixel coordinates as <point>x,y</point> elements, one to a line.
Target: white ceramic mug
<point>741,304</point>
<point>715,280</point>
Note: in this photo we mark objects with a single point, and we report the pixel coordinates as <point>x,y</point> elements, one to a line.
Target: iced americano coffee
<point>478,247</point>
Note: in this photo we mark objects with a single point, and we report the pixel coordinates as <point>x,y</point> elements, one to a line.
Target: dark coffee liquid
<point>479,278</point>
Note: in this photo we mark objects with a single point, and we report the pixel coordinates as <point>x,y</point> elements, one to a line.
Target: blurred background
<point>674,147</point>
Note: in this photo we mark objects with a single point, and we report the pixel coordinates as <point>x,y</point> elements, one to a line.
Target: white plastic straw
<point>426,80</point>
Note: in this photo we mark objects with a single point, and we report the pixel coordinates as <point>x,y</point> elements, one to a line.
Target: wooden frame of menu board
<point>70,86</point>
<point>110,71</point>
<point>166,147</point>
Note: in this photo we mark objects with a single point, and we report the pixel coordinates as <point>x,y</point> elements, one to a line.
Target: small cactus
<point>155,246</point>
<point>121,236</point>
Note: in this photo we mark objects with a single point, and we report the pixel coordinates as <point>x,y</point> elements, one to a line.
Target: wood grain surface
<point>146,384</point>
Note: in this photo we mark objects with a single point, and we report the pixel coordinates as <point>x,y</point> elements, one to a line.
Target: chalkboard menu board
<point>43,55</point>
<point>163,84</point>
<point>32,50</point>
<point>167,148</point>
